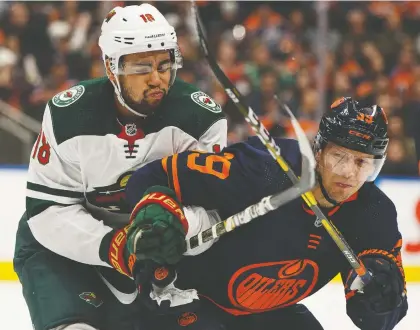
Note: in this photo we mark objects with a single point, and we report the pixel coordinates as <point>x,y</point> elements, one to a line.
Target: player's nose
<point>348,169</point>
<point>154,78</point>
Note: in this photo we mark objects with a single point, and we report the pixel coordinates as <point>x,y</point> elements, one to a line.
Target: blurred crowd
<point>370,51</point>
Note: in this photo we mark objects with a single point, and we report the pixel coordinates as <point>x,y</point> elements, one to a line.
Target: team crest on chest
<point>202,99</point>
<point>64,99</point>
<point>111,197</point>
<point>268,286</point>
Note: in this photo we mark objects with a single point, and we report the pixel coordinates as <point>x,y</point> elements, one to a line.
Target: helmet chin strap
<point>324,191</point>
<point>117,88</point>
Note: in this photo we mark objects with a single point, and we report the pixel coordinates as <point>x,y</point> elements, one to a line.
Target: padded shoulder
<point>84,109</point>
<point>190,109</point>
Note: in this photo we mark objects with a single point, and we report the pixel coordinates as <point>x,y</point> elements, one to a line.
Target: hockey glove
<point>113,250</point>
<point>158,227</point>
<point>385,292</point>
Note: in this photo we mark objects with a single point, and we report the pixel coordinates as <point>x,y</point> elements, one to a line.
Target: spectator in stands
<point>58,80</point>
<point>265,49</point>
<point>397,161</point>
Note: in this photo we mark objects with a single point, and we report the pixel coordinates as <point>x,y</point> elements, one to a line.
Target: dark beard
<point>143,107</point>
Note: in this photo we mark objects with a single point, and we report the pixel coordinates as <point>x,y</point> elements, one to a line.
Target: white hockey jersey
<point>83,158</point>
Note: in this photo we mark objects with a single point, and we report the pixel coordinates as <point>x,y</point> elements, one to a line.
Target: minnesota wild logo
<point>91,298</point>
<point>202,99</point>
<point>64,99</point>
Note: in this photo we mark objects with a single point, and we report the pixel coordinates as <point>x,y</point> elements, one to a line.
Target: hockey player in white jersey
<point>70,253</point>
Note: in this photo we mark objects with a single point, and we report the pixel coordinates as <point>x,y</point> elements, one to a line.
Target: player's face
<point>343,171</point>
<point>145,79</point>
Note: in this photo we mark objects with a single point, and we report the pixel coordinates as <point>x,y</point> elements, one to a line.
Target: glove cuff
<point>166,198</point>
<point>163,190</point>
<point>376,253</point>
<point>113,251</point>
<point>388,256</point>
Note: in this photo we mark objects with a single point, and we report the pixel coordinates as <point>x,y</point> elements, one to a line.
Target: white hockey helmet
<point>136,29</point>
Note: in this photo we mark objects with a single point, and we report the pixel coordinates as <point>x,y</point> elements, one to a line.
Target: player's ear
<point>318,156</point>
<point>109,73</point>
<point>317,161</point>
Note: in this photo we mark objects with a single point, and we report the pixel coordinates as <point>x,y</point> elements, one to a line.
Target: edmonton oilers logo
<point>268,286</point>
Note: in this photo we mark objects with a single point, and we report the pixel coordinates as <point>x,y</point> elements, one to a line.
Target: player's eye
<point>337,155</point>
<point>143,69</point>
<point>361,162</point>
<point>138,68</point>
<point>163,67</point>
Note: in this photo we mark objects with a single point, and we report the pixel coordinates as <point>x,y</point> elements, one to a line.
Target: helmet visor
<point>174,62</point>
<point>144,67</point>
<point>351,164</point>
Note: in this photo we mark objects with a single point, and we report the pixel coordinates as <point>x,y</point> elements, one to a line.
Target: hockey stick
<point>274,150</point>
<point>259,209</point>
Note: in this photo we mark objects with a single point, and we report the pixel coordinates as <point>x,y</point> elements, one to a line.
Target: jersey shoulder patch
<point>205,101</point>
<point>193,99</point>
<point>84,109</point>
<point>68,97</point>
<point>190,109</point>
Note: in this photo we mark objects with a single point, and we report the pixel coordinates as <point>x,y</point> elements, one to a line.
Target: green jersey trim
<point>36,206</point>
<point>54,191</point>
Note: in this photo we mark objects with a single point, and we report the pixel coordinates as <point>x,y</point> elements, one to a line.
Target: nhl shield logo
<point>131,129</point>
<point>91,298</point>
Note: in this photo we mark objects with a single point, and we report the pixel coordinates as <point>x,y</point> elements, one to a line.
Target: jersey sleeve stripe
<point>54,191</point>
<point>165,168</point>
<point>398,245</point>
<point>175,179</point>
<point>52,198</point>
<point>165,164</point>
<point>169,172</point>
